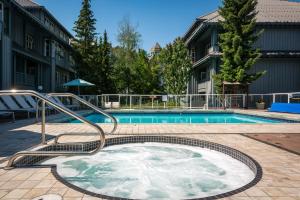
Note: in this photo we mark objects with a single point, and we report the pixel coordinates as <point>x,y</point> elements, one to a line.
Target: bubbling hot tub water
<point>155,171</point>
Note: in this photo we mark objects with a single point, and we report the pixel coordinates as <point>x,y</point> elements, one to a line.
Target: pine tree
<point>84,44</point>
<point>237,42</point>
<point>106,65</point>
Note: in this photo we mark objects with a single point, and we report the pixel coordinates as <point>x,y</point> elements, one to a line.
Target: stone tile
<point>10,184</point>
<point>255,192</point>
<point>38,176</point>
<point>87,197</point>
<point>3,193</point>
<point>16,193</point>
<point>35,192</point>
<point>45,184</point>
<point>73,193</point>
<point>28,184</point>
<point>274,192</point>
<point>59,191</point>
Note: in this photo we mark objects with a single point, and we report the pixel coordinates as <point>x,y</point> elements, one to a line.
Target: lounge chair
<point>13,106</point>
<point>5,113</point>
<point>58,101</point>
<point>107,105</point>
<point>285,108</point>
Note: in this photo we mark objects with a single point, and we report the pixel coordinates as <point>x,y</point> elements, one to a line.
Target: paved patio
<point>281,169</point>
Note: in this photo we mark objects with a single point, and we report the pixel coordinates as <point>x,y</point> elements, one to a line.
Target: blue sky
<point>157,20</point>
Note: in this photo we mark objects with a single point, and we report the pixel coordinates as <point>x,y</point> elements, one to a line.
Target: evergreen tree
<point>106,66</point>
<point>237,42</point>
<point>176,65</point>
<point>84,44</point>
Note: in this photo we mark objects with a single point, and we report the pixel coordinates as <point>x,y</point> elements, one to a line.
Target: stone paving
<point>281,169</point>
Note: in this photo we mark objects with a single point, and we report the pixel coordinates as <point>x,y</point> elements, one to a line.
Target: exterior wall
<point>279,38</point>
<point>283,75</point>
<point>6,70</point>
<point>25,68</point>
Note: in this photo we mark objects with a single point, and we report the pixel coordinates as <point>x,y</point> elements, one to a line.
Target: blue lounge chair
<point>285,108</point>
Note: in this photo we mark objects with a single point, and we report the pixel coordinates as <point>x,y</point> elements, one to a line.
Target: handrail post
<point>43,123</point>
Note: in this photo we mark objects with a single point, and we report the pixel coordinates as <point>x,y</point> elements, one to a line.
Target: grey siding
<point>6,73</point>
<point>283,75</point>
<point>279,39</point>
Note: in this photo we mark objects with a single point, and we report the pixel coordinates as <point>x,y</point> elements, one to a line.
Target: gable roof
<point>268,11</point>
<point>31,5</point>
<point>28,3</point>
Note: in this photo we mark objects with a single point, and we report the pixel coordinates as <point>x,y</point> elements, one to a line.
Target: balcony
<point>202,87</point>
<point>25,79</point>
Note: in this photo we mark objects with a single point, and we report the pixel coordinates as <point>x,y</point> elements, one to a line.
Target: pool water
<point>181,118</point>
<point>155,171</point>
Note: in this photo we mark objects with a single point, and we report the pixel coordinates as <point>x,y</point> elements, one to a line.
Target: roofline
<point>43,8</point>
<point>37,21</point>
<point>204,25</point>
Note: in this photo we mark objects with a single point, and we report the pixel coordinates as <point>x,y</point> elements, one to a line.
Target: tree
<point>85,45</point>
<point>237,42</point>
<point>176,64</point>
<point>125,55</point>
<point>106,64</point>
<point>128,36</point>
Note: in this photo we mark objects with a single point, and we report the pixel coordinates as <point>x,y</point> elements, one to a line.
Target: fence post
<point>191,98</point>
<point>140,102</point>
<point>97,100</point>
<point>244,100</point>
<point>289,101</point>
<point>130,101</point>
<point>274,98</point>
<point>207,102</point>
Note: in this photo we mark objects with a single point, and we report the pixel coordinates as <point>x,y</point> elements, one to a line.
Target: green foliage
<point>93,57</point>
<point>128,37</point>
<point>133,71</point>
<point>176,64</point>
<point>237,42</point>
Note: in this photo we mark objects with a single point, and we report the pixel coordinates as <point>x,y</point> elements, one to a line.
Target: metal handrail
<point>44,99</point>
<point>85,103</point>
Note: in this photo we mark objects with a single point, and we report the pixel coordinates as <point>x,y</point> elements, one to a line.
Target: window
<point>47,49</point>
<point>203,76</point>
<point>207,47</point>
<point>60,52</point>
<point>193,54</point>
<point>29,42</point>
<point>1,11</point>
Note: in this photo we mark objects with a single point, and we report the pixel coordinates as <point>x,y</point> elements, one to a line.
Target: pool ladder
<point>47,100</point>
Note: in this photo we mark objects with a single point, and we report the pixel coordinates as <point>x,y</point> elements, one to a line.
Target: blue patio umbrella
<point>78,83</point>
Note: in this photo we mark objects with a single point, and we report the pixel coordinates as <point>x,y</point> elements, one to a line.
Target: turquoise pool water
<point>180,118</point>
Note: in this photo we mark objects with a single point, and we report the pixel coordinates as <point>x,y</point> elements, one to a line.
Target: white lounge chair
<point>5,113</point>
<point>58,101</point>
<point>13,106</point>
<point>107,105</point>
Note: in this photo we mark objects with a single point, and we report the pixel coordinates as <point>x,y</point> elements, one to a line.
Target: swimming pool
<point>180,118</point>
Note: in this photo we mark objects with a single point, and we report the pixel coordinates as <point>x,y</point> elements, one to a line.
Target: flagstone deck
<point>281,169</point>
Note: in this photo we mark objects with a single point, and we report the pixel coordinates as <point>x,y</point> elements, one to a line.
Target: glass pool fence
<point>192,101</point>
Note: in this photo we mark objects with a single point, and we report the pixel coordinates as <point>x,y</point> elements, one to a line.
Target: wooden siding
<point>283,75</point>
<point>6,67</point>
<point>279,39</point>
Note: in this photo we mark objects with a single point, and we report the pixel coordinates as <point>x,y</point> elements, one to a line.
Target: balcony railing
<point>25,79</point>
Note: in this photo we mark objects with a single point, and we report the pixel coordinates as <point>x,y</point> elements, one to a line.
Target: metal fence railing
<point>191,101</point>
